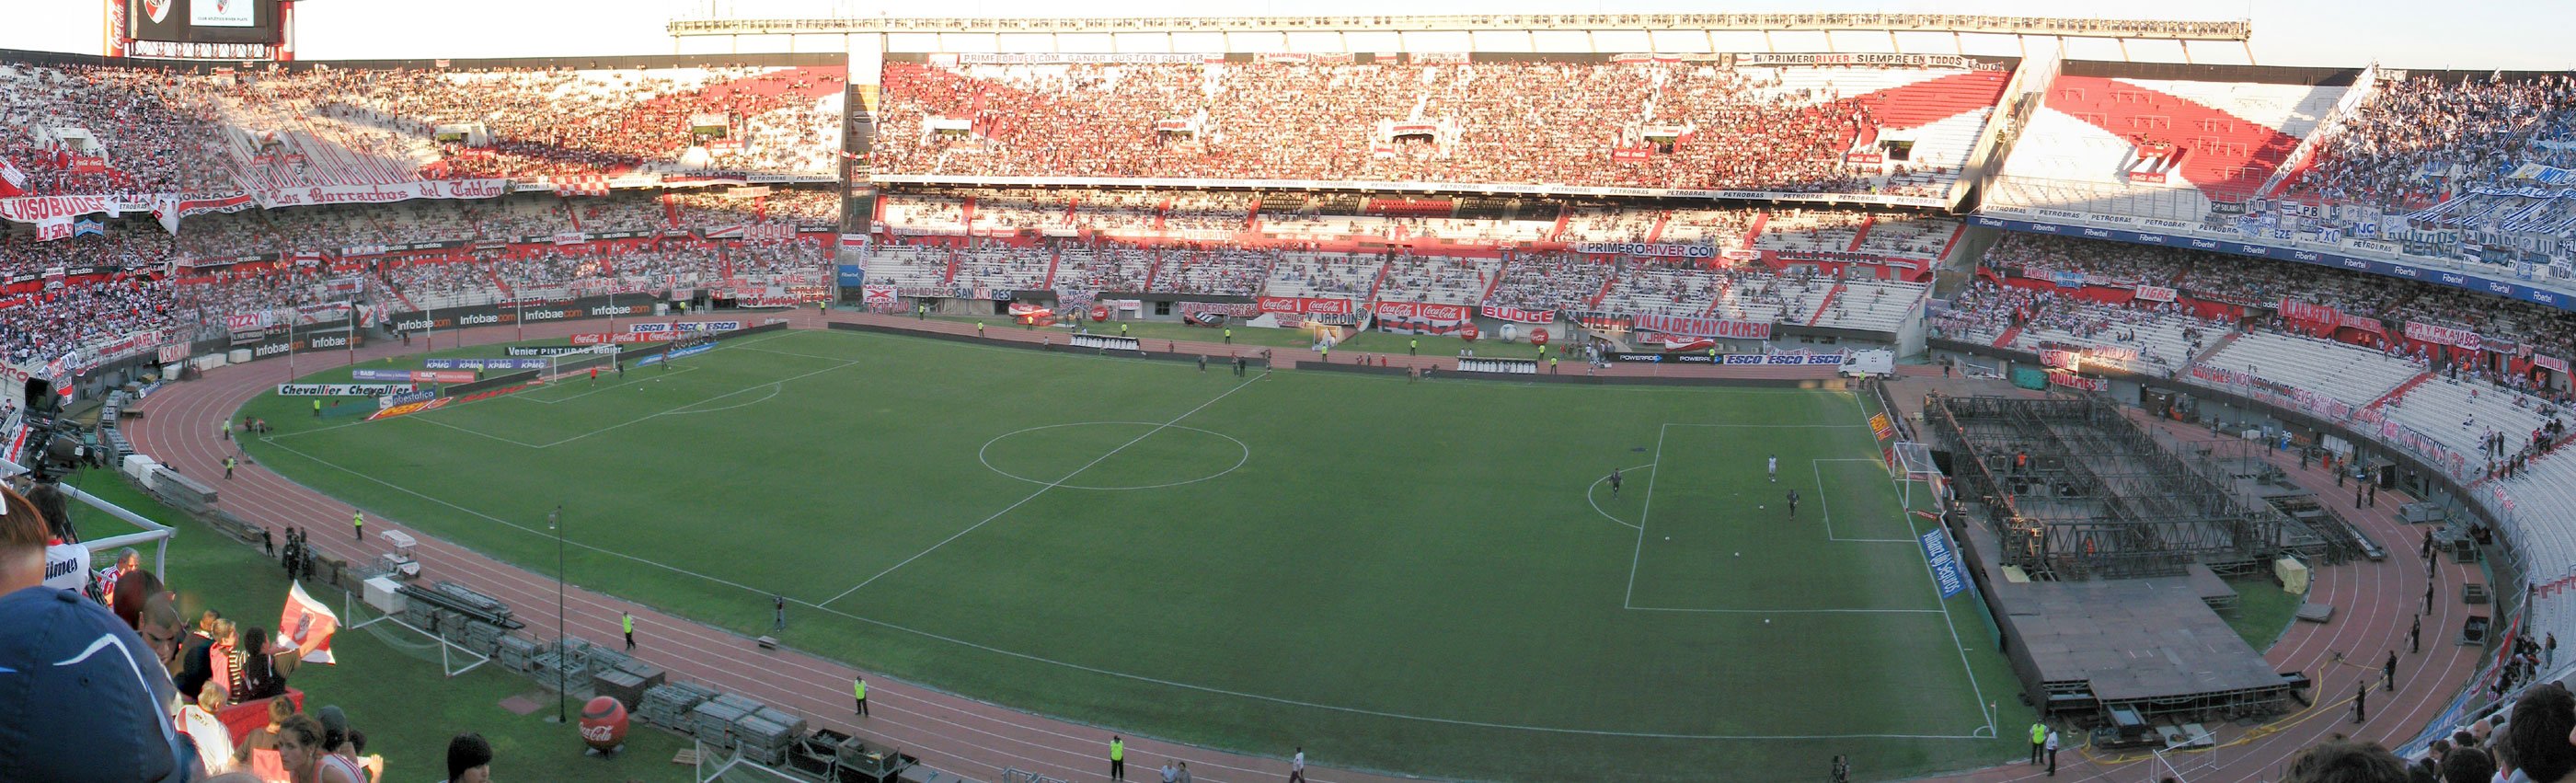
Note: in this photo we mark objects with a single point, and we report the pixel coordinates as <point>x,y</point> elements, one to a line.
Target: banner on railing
<point>1305,305</point>
<point>2156,293</point>
<point>1667,249</point>
<point>1704,327</point>
<point>2443,335</point>
<point>2074,381</point>
<point>273,198</point>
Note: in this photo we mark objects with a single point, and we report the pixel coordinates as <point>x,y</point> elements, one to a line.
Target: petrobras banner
<point>414,376</point>
<point>273,198</point>
<point>342,389</point>
<point>483,364</point>
<point>1646,249</point>
<point>1704,327</point>
<point>1945,567</point>
<point>1519,316</point>
<point>2478,283</point>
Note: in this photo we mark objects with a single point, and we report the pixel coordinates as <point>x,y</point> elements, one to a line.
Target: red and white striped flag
<point>308,625</point>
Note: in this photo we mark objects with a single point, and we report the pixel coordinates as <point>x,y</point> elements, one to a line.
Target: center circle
<point>1082,449</point>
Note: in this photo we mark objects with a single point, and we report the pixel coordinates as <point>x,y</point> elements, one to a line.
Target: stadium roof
<point>2151,29</point>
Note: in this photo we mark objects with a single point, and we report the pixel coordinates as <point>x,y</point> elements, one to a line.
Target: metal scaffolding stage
<point>2073,490</point>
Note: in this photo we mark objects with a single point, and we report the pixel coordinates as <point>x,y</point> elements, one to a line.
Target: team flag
<point>308,624</point>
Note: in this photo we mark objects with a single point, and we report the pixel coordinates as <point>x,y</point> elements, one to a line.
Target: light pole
<point>563,692</point>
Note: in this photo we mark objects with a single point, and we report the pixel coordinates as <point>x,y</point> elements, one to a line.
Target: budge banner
<point>1520,316</point>
<point>341,389</point>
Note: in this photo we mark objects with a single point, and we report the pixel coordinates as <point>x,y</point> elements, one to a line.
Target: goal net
<point>565,365</point>
<point>1910,462</point>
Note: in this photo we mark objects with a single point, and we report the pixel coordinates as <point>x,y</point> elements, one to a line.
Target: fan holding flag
<point>307,625</point>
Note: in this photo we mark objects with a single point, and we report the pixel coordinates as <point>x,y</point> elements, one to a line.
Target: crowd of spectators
<point>1741,128</point>
<point>2420,138</point>
<point>96,130</point>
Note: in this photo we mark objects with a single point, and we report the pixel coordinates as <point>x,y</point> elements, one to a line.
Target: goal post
<point>564,365</point>
<point>1909,462</point>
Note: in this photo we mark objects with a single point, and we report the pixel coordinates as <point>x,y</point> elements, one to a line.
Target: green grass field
<point>1420,577</point>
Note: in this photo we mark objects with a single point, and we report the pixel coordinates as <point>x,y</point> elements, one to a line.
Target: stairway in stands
<point>2399,393</point>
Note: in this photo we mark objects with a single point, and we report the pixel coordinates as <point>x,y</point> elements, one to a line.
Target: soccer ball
<point>1766,621</point>
<point>1739,554</point>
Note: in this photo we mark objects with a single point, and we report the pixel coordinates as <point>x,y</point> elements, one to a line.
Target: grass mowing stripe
<point>1043,490</point>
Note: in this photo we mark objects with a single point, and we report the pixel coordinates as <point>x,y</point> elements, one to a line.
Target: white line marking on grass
<point>774,389</point>
<point>1106,672</point>
<point>469,431</point>
<point>1953,625</point>
<point>649,417</point>
<point>1643,509</point>
<point>801,355</point>
<point>558,384</point>
<point>1590,491</point>
<point>1238,463</point>
<point>1817,466</point>
<point>1043,490</point>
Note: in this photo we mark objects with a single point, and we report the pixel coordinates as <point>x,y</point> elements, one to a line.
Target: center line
<point>1043,490</point>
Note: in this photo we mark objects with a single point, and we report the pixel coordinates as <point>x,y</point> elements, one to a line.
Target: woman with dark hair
<point>257,664</point>
<point>57,510</point>
<point>299,748</point>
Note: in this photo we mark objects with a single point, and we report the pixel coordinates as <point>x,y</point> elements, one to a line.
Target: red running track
<point>977,739</point>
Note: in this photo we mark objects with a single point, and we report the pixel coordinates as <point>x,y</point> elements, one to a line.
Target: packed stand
<point>2399,149</point>
<point>89,130</point>
<point>1549,281</point>
<point>1742,128</point>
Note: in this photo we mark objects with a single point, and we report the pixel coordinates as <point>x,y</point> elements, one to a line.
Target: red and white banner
<point>2220,376</point>
<point>12,181</point>
<point>581,185</point>
<point>880,298</point>
<point>1519,316</point>
<point>606,338</point>
<point>37,209</point>
<point>2057,358</point>
<point>2549,362</point>
<point>2074,381</point>
<point>2443,335</point>
<point>1294,305</point>
<point>1705,327</point>
<point>382,194</point>
<point>2156,293</point>
<point>171,209</point>
<point>1422,311</point>
<point>1688,345</point>
<point>246,322</point>
<point>2302,311</point>
<point>307,626</point>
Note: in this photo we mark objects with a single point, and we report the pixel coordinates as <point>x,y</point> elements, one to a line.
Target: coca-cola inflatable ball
<point>603,723</point>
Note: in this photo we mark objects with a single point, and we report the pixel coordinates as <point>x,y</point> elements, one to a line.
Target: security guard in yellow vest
<point>859,688</point>
<point>1117,758</point>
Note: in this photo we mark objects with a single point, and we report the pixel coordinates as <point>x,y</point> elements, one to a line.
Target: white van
<point>1863,364</point>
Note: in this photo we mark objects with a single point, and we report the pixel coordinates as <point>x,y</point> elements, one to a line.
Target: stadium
<point>832,395</point>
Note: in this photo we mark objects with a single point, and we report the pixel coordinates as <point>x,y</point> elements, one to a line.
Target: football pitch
<point>1431,578</point>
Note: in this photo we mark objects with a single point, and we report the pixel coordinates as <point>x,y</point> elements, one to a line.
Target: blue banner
<point>2503,288</point>
<point>853,276</point>
<point>1945,569</point>
<point>483,364</point>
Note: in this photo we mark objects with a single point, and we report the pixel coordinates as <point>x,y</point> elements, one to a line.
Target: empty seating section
<point>1222,271</point>
<point>2346,372</point>
<point>1438,279</point>
<point>1907,236</point>
<point>1872,305</point>
<point>1817,230</point>
<point>1016,268</point>
<point>1324,276</point>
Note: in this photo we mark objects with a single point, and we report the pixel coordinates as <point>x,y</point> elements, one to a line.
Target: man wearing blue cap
<point>86,698</point>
